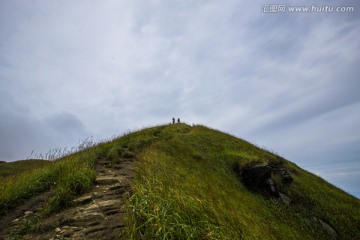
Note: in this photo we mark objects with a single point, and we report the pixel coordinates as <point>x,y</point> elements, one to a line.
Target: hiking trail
<point>97,214</point>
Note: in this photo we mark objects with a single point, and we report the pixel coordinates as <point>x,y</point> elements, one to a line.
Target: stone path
<point>98,214</point>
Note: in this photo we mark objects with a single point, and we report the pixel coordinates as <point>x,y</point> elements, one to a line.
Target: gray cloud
<point>65,124</point>
<point>287,81</point>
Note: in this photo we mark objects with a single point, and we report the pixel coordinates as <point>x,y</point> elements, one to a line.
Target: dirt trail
<point>98,214</point>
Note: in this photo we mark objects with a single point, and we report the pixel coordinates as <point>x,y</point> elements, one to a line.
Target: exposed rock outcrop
<point>260,178</point>
<point>256,177</point>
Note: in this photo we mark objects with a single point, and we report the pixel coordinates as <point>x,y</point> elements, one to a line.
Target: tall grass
<point>157,211</point>
<point>70,173</point>
<point>185,189</point>
<point>57,153</point>
<point>65,178</point>
<point>11,168</point>
<point>71,178</point>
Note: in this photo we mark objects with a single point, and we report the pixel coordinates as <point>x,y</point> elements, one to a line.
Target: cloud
<point>21,132</point>
<point>65,124</point>
<point>345,176</point>
<point>287,81</point>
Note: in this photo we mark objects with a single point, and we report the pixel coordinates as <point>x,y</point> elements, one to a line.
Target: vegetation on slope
<point>10,168</point>
<point>185,189</point>
<point>66,178</point>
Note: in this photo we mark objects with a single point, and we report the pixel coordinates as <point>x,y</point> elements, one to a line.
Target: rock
<point>110,207</point>
<point>57,230</point>
<point>116,187</point>
<point>84,199</point>
<point>331,231</point>
<point>28,213</point>
<point>88,219</point>
<point>256,177</point>
<point>272,185</point>
<point>286,178</point>
<point>266,178</point>
<point>95,229</point>
<point>285,198</point>
<point>68,233</point>
<point>109,203</point>
<point>106,180</point>
<point>88,216</point>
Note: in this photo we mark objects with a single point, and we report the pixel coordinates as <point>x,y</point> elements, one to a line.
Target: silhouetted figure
<point>178,120</point>
<point>173,120</point>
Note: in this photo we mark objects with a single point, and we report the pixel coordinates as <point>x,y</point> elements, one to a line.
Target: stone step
<point>104,163</point>
<point>106,180</point>
<point>94,229</point>
<point>84,199</point>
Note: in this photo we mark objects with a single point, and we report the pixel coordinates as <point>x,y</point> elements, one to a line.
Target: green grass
<point>65,178</point>
<point>71,174</point>
<point>185,189</point>
<point>8,169</point>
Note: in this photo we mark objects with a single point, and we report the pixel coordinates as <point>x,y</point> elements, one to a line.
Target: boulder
<point>272,186</point>
<point>285,198</point>
<point>268,179</point>
<point>256,177</point>
<point>330,231</point>
<point>285,175</point>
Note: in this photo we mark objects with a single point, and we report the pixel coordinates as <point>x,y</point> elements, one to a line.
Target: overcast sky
<point>285,81</point>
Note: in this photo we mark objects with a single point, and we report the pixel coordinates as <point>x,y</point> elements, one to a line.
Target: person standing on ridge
<point>173,119</point>
<point>178,120</point>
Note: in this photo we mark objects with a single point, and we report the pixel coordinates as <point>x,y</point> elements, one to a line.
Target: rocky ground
<point>98,214</point>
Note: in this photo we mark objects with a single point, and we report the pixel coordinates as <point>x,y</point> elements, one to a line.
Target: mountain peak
<point>176,181</point>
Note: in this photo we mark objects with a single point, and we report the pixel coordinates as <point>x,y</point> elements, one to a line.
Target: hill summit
<point>174,182</point>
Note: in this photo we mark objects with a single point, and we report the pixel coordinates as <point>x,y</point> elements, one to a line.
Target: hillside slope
<point>189,182</point>
<point>10,168</point>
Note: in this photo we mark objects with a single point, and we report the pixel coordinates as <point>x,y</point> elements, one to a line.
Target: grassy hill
<point>192,182</point>
<point>8,169</point>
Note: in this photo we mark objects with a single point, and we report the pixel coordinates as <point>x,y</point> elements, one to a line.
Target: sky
<point>287,81</point>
